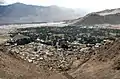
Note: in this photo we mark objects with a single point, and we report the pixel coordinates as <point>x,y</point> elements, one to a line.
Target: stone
<point>84,49</point>
<point>30,61</point>
<point>7,44</point>
<point>45,57</point>
<point>16,51</point>
<point>49,54</point>
<point>32,58</point>
<point>76,64</point>
<point>41,58</point>
<point>35,62</point>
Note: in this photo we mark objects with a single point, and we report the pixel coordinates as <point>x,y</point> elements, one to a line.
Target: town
<point>56,48</point>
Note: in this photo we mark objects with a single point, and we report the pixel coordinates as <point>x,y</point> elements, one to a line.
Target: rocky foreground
<point>37,61</point>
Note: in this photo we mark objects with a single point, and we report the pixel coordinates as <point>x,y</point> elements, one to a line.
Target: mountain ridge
<point>23,13</point>
<point>108,16</point>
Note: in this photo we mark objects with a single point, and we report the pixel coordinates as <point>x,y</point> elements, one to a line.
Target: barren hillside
<point>111,16</point>
<point>103,63</point>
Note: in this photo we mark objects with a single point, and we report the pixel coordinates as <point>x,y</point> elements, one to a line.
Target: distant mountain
<point>109,16</point>
<point>22,13</point>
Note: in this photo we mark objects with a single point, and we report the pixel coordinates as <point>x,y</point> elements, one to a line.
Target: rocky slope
<point>22,13</point>
<point>103,63</point>
<point>15,68</point>
<point>103,17</point>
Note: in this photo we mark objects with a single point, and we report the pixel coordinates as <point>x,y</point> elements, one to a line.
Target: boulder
<point>20,40</point>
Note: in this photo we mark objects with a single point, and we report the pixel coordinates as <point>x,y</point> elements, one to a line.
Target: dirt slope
<point>104,64</point>
<point>12,68</point>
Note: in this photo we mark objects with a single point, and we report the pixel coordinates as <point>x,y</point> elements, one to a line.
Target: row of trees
<point>69,34</point>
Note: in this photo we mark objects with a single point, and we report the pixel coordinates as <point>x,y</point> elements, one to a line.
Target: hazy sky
<point>90,5</point>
